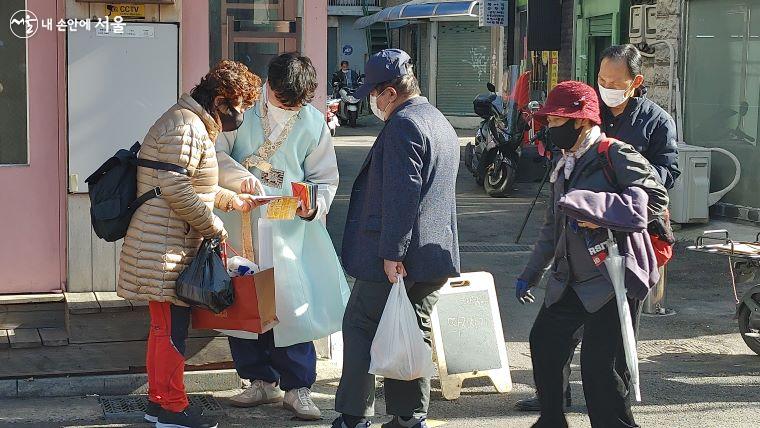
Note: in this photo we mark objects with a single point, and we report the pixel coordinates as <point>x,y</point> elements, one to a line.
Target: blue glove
<point>522,292</point>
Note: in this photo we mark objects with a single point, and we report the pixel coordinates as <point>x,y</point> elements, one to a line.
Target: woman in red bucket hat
<point>578,294</point>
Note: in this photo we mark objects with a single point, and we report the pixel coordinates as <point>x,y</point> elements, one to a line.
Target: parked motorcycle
<point>331,115</point>
<point>494,156</point>
<point>348,111</point>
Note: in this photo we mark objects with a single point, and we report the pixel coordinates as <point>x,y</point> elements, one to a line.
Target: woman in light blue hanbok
<point>284,140</point>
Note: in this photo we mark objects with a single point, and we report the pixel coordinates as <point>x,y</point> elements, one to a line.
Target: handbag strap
<point>247,235</point>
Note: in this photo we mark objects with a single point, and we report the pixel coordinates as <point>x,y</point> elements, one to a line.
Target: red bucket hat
<point>571,99</point>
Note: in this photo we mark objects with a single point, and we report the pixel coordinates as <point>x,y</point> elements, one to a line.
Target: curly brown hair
<point>231,80</point>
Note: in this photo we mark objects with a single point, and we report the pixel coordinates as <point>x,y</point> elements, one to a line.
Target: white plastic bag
<point>399,350</point>
<point>240,266</point>
<point>266,244</point>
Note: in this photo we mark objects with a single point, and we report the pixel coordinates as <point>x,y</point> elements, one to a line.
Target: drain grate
<point>494,248</point>
<point>135,405</point>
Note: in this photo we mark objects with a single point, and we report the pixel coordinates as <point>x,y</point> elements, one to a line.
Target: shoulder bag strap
<point>162,166</point>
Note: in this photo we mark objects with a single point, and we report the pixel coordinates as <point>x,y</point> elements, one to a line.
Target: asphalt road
<point>695,369</point>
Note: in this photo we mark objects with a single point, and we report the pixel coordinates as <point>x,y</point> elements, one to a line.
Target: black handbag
<point>205,283</point>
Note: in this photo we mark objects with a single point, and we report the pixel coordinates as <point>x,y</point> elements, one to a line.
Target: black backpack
<point>113,192</point>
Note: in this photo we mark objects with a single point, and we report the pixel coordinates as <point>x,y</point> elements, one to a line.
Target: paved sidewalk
<point>696,371</point>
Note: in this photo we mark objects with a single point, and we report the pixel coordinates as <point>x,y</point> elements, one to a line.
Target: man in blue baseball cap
<point>402,223</point>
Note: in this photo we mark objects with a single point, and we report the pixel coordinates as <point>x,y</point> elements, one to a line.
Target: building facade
<point>344,42</point>
<point>720,76</point>
<point>454,57</point>
<point>54,82</point>
<point>700,67</point>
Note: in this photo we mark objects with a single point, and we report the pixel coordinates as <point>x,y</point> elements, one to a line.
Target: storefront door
<point>464,66</point>
<point>255,31</point>
<point>598,26</point>
<point>31,187</point>
<point>722,91</point>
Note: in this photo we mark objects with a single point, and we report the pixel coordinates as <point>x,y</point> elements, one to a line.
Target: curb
<point>126,384</point>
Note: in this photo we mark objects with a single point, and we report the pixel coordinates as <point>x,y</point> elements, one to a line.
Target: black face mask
<point>565,136</point>
<point>231,119</point>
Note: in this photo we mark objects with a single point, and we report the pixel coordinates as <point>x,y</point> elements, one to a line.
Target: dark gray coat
<point>572,265</point>
<point>403,203</point>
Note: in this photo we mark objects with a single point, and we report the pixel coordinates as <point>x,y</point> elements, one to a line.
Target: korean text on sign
<point>493,13</point>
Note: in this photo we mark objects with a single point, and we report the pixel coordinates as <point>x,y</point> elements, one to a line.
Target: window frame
<point>27,141</point>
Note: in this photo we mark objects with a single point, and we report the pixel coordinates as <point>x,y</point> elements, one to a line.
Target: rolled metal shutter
<point>601,26</point>
<point>464,66</point>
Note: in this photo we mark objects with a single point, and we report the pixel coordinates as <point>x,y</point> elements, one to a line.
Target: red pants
<point>165,358</point>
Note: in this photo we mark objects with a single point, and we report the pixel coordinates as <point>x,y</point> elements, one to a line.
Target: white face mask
<point>613,97</point>
<point>375,109</point>
<point>279,115</point>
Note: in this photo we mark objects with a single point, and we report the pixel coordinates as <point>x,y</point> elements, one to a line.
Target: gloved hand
<point>522,292</point>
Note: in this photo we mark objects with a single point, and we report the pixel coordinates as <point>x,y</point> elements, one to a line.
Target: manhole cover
<point>682,348</point>
<point>494,248</point>
<point>134,405</point>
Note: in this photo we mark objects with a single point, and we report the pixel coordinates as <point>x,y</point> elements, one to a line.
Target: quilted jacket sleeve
<point>633,170</point>
<point>183,146</point>
<point>231,172</point>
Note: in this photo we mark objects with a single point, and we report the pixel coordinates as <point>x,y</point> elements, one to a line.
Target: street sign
<point>348,50</point>
<point>493,13</point>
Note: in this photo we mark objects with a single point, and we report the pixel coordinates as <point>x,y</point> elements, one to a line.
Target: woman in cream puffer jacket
<point>166,232</point>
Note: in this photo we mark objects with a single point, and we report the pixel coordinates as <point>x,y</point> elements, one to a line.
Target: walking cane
<point>533,205</point>
<point>540,135</point>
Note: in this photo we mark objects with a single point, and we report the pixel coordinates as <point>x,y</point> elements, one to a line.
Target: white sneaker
<point>258,393</point>
<point>299,402</point>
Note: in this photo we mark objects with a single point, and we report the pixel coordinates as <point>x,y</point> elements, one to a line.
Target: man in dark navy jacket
<point>636,120</point>
<point>402,221</point>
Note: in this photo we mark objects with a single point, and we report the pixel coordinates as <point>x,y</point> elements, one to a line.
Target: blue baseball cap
<point>384,66</point>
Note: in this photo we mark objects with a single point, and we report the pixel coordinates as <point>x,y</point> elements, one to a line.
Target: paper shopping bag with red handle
<point>252,311</point>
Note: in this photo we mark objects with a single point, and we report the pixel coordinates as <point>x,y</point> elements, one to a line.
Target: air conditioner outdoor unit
<point>690,198</point>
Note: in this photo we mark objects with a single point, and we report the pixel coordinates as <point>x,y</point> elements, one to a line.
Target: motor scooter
<point>493,157</point>
<point>350,106</point>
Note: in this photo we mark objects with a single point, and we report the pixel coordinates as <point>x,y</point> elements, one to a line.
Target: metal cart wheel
<point>749,326</point>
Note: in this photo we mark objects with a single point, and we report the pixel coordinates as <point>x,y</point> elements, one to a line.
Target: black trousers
<point>551,346</point>
<point>621,367</point>
<point>356,392</point>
